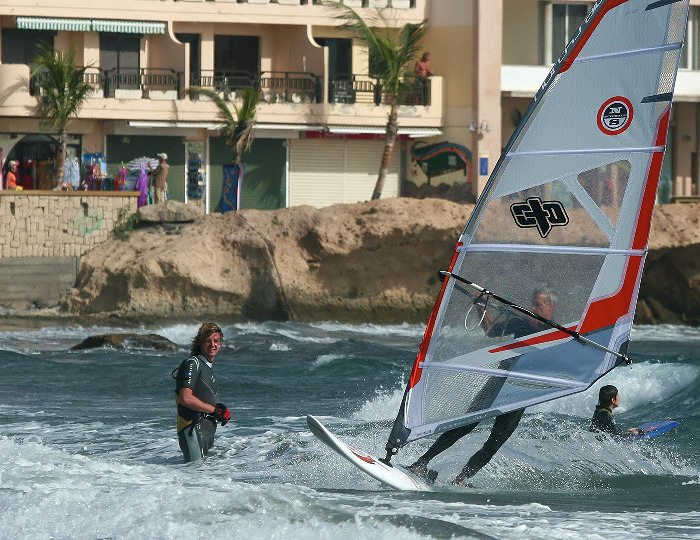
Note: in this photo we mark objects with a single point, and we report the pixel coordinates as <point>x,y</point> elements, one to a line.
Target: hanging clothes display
<point>142,186</point>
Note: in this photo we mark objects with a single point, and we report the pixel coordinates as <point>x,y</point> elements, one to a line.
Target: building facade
<point>321,117</point>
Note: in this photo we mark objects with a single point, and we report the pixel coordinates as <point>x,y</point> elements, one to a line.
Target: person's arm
<point>189,400</point>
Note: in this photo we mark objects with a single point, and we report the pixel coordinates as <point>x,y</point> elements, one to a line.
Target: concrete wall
<point>35,282</point>
<point>58,223</point>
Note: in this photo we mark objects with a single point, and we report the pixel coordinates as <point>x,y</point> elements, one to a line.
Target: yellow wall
<point>521,32</point>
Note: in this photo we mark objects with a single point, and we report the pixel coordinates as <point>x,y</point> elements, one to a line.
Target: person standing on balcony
<point>423,73</point>
<point>422,67</point>
<point>11,177</point>
<point>160,178</point>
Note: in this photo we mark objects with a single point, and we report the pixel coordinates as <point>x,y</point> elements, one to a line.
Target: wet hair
<point>207,329</point>
<point>607,394</point>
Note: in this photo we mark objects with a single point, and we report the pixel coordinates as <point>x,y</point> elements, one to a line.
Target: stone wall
<point>58,223</point>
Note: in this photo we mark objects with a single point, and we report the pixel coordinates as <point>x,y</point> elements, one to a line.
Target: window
<point>561,20</point>
<point>690,54</point>
<point>22,46</point>
<point>195,64</point>
<point>237,59</point>
<point>119,56</point>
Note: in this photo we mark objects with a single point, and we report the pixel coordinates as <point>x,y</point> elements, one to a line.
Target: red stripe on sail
<point>641,236</point>
<point>605,312</point>
<point>566,64</point>
<point>545,338</point>
<point>417,371</point>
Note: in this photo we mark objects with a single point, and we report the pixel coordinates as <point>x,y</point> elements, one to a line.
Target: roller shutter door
<point>325,172</point>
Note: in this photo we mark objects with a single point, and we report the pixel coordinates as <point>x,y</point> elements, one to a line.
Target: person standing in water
<point>543,304</point>
<point>198,409</point>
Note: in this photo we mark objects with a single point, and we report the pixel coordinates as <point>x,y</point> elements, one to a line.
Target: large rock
<point>121,341</point>
<point>373,261</point>
<point>169,212</point>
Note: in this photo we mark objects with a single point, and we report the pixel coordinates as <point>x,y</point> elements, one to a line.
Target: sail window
<point>606,185</point>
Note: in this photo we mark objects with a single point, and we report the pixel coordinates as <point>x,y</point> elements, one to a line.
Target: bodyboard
<point>395,477</point>
<point>658,427</point>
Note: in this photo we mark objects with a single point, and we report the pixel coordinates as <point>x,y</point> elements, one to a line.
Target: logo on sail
<point>534,212</point>
<point>615,115</point>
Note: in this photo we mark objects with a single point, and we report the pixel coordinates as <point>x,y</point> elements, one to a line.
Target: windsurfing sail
<point>566,213</point>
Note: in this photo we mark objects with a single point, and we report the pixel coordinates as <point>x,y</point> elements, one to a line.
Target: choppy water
<point>88,448</point>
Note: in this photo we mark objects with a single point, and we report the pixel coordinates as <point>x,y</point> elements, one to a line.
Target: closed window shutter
<point>325,172</point>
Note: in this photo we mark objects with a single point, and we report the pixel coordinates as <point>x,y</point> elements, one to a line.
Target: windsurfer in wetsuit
<point>543,304</point>
<point>195,394</point>
<point>602,421</point>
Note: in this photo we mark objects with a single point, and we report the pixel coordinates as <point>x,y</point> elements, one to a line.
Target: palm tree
<point>393,51</point>
<point>237,127</point>
<point>61,93</point>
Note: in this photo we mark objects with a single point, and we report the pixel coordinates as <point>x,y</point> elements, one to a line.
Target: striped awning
<point>90,25</point>
<point>128,27</point>
<point>378,130</point>
<point>47,23</point>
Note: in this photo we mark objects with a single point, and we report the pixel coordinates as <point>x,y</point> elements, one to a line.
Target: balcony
<point>153,96</point>
<point>272,86</point>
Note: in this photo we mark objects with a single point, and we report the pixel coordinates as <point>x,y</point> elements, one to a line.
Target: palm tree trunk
<point>61,155</point>
<point>392,130</point>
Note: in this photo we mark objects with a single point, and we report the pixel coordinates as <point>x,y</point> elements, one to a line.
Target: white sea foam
<point>383,406</point>
<point>639,385</point>
<point>324,359</point>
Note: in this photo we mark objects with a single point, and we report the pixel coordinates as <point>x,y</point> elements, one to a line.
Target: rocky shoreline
<point>367,262</point>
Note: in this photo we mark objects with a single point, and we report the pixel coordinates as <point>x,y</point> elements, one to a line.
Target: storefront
<point>121,149</point>
<point>264,177</point>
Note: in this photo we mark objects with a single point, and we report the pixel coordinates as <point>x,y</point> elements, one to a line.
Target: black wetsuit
<point>195,430</point>
<point>603,421</point>
<point>503,426</point>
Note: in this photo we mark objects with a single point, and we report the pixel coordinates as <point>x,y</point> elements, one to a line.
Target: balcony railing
<point>272,86</point>
<point>362,89</point>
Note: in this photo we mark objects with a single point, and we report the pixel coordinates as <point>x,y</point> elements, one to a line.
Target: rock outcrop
<point>128,340</point>
<point>373,261</point>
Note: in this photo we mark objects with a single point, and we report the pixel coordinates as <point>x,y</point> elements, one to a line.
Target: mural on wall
<point>441,158</point>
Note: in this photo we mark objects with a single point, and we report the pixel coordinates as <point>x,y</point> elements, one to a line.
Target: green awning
<point>128,27</point>
<point>90,25</point>
<point>47,23</point>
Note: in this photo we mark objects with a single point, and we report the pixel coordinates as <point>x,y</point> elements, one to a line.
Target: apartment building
<point>320,122</point>
<point>534,34</point>
<point>321,118</point>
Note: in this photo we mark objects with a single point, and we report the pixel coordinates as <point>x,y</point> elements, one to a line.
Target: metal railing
<point>362,89</point>
<point>272,86</point>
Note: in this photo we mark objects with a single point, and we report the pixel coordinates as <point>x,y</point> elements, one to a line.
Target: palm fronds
<point>62,90</point>
<point>237,126</point>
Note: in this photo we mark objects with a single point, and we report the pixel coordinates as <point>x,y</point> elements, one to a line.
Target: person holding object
<point>160,178</point>
<point>544,304</point>
<point>198,409</point>
<point>602,421</point>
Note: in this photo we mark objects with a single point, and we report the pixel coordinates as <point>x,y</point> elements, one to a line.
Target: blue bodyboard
<point>658,427</point>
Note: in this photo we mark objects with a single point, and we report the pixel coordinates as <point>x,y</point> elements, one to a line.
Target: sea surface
<point>88,446</point>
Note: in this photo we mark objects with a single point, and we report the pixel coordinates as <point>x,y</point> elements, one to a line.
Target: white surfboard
<point>393,476</point>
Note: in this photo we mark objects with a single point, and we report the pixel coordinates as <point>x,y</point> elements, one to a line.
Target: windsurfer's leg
<point>190,443</point>
<point>206,434</point>
<point>443,442</point>
<point>503,428</point>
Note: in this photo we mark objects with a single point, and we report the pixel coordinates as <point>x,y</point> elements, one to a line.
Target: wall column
<point>488,55</point>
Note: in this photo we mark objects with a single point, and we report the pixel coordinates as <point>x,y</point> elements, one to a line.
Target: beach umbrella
<point>135,164</point>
